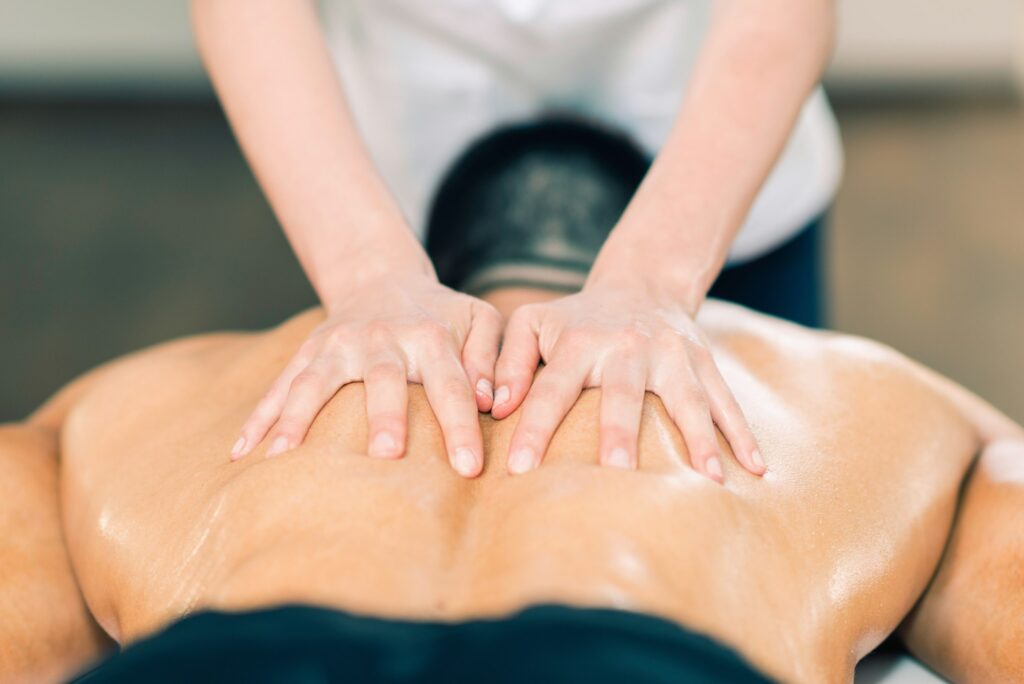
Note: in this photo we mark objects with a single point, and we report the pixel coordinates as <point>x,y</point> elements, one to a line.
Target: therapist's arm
<point>632,327</point>
<point>388,319</point>
<point>758,66</point>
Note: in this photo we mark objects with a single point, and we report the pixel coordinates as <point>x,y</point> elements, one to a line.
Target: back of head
<point>543,195</point>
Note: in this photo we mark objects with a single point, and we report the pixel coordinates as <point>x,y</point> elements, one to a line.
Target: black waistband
<point>548,643</point>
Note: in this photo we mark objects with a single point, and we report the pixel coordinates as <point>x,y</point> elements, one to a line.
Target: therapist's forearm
<point>273,73</point>
<point>756,69</point>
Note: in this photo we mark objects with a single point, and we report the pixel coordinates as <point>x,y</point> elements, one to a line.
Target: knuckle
<point>621,389</point>
<point>702,448</point>
<point>265,410</point>
<point>616,432</point>
<point>339,336</point>
<point>478,361</point>
<point>632,340</point>
<point>668,337</point>
<point>453,387</point>
<point>688,399</point>
<point>385,374</point>
<point>574,340</point>
<point>308,349</point>
<point>658,383</point>
<point>523,315</point>
<point>530,436</point>
<point>253,428</point>
<point>392,421</point>
<point>670,394</point>
<point>482,348</point>
<point>307,381</point>
<point>378,332</point>
<point>515,358</point>
<point>457,427</point>
<point>733,416</point>
<point>518,379</point>
<point>542,397</point>
<point>700,353</point>
<point>434,335</point>
<point>488,313</point>
<point>698,403</point>
<point>290,426</point>
<point>459,433</point>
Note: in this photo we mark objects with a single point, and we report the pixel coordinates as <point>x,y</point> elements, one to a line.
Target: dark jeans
<point>787,282</point>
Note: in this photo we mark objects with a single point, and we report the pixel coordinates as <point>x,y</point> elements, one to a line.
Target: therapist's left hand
<point>625,340</point>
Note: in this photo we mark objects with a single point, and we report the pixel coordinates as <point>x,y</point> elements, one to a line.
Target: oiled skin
<point>970,624</point>
<point>803,572</point>
<point>46,631</point>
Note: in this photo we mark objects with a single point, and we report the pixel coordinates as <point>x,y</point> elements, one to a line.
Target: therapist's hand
<point>626,340</point>
<point>384,334</point>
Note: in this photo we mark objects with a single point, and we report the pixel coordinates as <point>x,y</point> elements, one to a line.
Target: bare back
<point>803,572</point>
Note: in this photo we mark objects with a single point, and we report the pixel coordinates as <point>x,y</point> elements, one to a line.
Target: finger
<point>622,400</point>
<point>687,405</point>
<point>517,363</point>
<point>451,399</point>
<point>268,410</point>
<point>554,392</point>
<point>480,353</point>
<point>387,402</point>
<point>309,392</point>
<point>727,414</point>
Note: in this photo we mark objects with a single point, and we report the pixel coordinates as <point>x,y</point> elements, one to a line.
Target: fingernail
<point>521,461</point>
<point>464,462</point>
<point>755,456</point>
<point>484,387</point>
<point>619,458</point>
<point>501,395</point>
<point>236,450</point>
<point>714,468</point>
<point>383,444</point>
<point>279,445</point>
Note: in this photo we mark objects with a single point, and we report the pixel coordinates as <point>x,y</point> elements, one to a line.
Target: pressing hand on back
<point>627,341</point>
<point>386,334</point>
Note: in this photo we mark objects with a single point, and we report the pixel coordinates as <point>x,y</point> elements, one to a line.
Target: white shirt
<point>425,78</point>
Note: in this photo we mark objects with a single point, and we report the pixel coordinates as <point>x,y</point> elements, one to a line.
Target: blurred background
<point>127,215</point>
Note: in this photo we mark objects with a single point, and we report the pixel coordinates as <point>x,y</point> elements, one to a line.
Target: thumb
<point>517,361</point>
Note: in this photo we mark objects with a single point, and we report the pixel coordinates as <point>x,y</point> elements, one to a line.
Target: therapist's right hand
<point>385,334</point>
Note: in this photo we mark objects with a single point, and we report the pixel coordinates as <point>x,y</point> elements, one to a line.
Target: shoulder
<point>845,377</point>
<point>166,363</point>
<point>735,328</point>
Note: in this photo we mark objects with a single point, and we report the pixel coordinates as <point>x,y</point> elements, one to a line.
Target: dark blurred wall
<point>927,251</point>
<point>122,225</point>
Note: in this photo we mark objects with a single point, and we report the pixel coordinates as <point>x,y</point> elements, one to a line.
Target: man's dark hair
<point>543,193</point>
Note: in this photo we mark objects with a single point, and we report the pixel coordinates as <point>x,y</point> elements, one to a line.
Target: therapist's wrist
<point>675,286</point>
<point>364,268</point>
<point>630,261</point>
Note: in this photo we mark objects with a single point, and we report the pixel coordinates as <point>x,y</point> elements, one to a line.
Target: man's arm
<point>969,625</point>
<point>46,630</point>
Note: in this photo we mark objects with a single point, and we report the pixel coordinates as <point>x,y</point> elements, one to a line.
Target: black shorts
<point>540,644</point>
